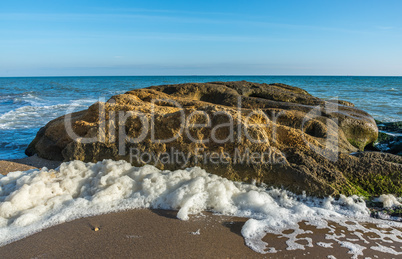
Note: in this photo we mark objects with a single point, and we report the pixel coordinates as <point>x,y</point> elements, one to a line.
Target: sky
<point>106,38</point>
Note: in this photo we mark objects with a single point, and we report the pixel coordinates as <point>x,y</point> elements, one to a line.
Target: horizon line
<point>224,75</point>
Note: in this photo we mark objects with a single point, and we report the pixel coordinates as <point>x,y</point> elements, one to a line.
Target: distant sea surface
<point>27,104</point>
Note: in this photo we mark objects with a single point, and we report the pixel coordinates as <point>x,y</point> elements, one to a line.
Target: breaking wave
<point>36,116</point>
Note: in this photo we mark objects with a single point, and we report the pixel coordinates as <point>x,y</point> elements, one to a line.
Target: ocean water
<point>27,104</point>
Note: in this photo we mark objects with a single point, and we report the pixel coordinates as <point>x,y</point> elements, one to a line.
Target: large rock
<point>276,134</point>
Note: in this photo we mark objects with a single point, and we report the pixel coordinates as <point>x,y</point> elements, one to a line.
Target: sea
<point>37,199</point>
<point>28,103</point>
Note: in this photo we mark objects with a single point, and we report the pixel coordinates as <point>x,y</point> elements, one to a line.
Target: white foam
<point>385,249</point>
<point>389,201</point>
<point>33,200</point>
<point>326,245</point>
<point>355,249</point>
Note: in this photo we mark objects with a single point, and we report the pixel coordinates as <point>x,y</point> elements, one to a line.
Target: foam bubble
<point>325,245</point>
<point>389,200</point>
<point>385,249</point>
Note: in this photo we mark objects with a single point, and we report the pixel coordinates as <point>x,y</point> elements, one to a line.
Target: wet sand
<point>26,163</point>
<point>147,233</point>
<point>37,162</point>
<point>7,166</point>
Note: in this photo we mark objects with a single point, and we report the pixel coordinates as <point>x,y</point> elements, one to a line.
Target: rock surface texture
<point>271,133</point>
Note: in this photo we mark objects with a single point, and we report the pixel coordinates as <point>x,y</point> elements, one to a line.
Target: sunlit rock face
<point>271,133</point>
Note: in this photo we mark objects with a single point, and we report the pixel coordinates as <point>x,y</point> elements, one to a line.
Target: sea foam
<point>37,199</point>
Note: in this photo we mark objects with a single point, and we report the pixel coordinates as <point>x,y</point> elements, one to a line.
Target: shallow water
<point>27,104</point>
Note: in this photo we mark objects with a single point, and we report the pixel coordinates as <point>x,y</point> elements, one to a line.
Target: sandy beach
<point>7,166</point>
<point>26,163</point>
<point>159,234</point>
<point>34,161</point>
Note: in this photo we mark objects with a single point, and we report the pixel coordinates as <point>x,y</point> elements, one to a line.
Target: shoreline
<point>155,233</point>
<point>146,233</point>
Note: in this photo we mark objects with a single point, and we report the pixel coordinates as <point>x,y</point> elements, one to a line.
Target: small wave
<point>10,145</point>
<point>29,98</point>
<point>117,92</point>
<point>35,116</point>
<point>23,99</point>
<point>12,150</point>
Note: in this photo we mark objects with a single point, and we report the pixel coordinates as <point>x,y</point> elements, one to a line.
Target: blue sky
<point>67,38</point>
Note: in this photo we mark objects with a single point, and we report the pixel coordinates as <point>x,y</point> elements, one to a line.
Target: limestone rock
<point>272,133</point>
